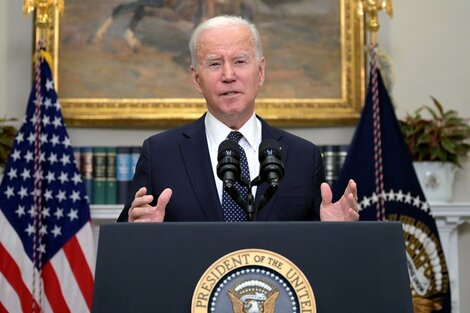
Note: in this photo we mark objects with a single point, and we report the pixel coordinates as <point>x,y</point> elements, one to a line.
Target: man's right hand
<point>142,211</point>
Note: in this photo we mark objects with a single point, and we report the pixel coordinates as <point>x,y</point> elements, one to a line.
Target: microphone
<point>228,163</point>
<point>271,166</point>
<point>228,170</point>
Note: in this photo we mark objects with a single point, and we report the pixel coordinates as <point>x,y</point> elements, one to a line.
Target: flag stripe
<point>12,274</point>
<point>80,268</point>
<point>87,244</point>
<point>10,240</point>
<point>10,299</point>
<point>53,291</point>
<point>70,289</point>
<point>2,308</point>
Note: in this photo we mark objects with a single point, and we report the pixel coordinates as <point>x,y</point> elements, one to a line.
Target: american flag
<point>47,256</point>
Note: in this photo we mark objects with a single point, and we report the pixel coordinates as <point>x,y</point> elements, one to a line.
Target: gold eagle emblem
<point>253,296</point>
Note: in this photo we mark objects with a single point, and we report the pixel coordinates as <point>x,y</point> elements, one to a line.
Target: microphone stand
<point>265,197</point>
<point>248,205</point>
<point>250,208</point>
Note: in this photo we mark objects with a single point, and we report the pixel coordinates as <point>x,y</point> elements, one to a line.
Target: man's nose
<point>228,73</point>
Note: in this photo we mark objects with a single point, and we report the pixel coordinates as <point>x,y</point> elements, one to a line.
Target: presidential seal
<point>253,281</point>
<point>427,268</point>
<point>429,277</point>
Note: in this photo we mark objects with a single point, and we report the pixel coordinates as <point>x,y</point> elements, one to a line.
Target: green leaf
<point>442,137</point>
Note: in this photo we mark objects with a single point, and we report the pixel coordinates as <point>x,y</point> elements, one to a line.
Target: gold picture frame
<point>154,112</point>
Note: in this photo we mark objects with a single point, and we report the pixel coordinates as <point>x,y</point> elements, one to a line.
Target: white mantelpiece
<point>448,218</point>
<point>103,214</point>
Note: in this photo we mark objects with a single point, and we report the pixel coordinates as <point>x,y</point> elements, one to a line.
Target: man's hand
<point>142,211</point>
<point>345,209</point>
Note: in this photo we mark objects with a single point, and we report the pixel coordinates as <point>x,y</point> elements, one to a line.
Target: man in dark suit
<point>176,177</point>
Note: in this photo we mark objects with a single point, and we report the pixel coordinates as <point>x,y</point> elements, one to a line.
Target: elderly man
<point>176,175</point>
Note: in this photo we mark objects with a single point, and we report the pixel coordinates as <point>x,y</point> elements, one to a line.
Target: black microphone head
<point>228,148</point>
<point>269,147</point>
<point>270,158</point>
<point>228,162</point>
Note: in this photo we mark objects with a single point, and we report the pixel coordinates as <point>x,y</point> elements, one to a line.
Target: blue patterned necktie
<point>232,211</point>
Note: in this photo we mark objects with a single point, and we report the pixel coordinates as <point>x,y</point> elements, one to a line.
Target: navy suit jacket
<point>179,159</point>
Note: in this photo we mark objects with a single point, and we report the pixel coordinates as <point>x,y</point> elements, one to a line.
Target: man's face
<point>228,74</point>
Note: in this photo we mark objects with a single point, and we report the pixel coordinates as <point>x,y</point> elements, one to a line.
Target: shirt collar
<point>218,131</point>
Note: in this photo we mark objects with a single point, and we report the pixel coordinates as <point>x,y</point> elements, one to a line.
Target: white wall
<point>3,58</point>
<point>15,56</point>
<point>429,46</point>
<point>427,40</point>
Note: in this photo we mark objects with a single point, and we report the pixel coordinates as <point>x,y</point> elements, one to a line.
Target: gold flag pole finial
<point>372,8</point>
<point>44,10</point>
<point>46,15</point>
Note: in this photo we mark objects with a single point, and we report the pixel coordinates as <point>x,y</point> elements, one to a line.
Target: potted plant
<point>7,136</point>
<point>437,145</point>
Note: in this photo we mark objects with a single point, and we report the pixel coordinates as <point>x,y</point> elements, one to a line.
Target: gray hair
<point>223,21</point>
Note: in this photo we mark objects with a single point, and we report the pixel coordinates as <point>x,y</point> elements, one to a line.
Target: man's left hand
<point>345,209</point>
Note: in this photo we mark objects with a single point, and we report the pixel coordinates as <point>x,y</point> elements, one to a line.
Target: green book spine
<point>99,175</point>
<point>111,185</point>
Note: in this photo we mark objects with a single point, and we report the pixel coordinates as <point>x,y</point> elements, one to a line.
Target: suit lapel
<point>198,165</point>
<point>269,132</point>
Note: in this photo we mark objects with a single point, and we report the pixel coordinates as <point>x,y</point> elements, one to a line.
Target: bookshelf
<point>449,216</point>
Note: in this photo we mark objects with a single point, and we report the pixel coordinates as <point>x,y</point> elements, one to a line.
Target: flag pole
<point>370,9</point>
<point>44,17</point>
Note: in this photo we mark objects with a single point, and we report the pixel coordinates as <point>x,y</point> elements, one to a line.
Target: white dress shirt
<point>216,132</point>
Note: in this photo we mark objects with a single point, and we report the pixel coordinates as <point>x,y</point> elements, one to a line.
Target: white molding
<point>449,216</point>
<point>452,211</point>
<point>105,213</point>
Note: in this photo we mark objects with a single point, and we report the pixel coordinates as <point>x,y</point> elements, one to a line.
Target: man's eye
<point>240,62</point>
<point>214,64</point>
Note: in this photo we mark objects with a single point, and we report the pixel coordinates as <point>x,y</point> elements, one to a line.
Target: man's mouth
<point>229,93</point>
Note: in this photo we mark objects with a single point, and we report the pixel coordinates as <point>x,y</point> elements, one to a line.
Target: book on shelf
<point>110,181</point>
<point>86,170</point>
<point>135,153</point>
<point>341,157</point>
<point>107,172</point>
<point>333,160</point>
<point>99,175</point>
<point>123,172</point>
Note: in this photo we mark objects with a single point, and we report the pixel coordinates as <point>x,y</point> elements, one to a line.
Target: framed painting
<point>125,63</point>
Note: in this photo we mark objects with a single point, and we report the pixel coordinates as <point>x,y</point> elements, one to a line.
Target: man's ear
<point>261,71</point>
<point>195,76</point>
